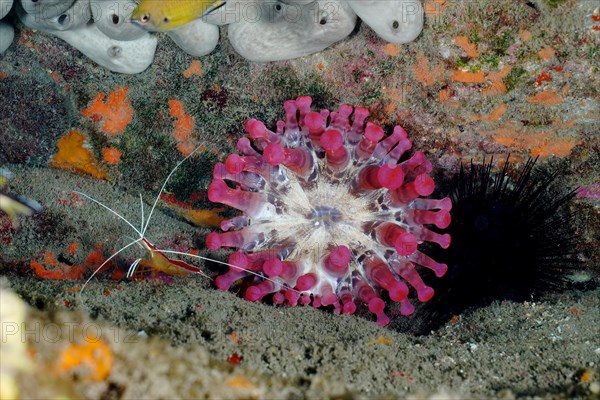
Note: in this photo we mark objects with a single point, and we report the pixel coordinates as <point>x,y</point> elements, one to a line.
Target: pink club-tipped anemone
<point>332,212</point>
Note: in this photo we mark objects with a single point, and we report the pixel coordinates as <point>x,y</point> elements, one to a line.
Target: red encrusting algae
<point>114,111</point>
<point>111,155</point>
<point>72,155</point>
<point>330,215</point>
<point>50,268</point>
<point>184,126</point>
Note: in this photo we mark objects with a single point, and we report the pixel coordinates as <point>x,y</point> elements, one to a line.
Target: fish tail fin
<point>214,7</point>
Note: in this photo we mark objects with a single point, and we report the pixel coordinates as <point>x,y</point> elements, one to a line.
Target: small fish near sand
<point>14,205</point>
<point>164,15</point>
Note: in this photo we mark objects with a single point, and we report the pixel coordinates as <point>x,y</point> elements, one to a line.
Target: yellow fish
<point>164,15</point>
<point>14,205</point>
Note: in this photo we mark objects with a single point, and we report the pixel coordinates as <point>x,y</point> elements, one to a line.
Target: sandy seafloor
<point>532,88</point>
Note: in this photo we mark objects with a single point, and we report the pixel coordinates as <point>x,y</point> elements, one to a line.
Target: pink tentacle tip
<point>424,185</point>
<point>217,190</point>
<point>253,293</point>
<point>337,261</point>
<point>314,121</point>
<point>445,204</point>
<point>213,241</point>
<point>234,164</point>
<point>256,128</point>
<point>273,267</point>
<point>376,305</point>
<point>332,140</point>
<point>274,154</point>
<point>374,132</point>
<point>306,282</point>
<point>406,244</point>
<point>391,176</point>
<point>303,103</point>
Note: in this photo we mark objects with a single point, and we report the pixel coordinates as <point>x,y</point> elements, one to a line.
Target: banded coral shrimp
<point>156,259</point>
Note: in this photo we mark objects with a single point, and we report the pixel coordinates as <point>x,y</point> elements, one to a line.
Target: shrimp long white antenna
<point>142,210</point>
<point>106,262</point>
<point>122,218</point>
<point>164,185</point>
<point>262,276</point>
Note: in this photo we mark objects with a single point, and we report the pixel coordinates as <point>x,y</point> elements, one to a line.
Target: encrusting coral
<point>259,30</point>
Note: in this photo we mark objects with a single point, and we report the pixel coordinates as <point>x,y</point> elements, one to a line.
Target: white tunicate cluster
<point>287,31</point>
<point>100,29</point>
<point>259,30</point>
<point>7,33</point>
<point>267,30</point>
<point>394,21</point>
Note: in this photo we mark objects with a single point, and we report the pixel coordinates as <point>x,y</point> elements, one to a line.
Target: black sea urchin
<point>512,239</point>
